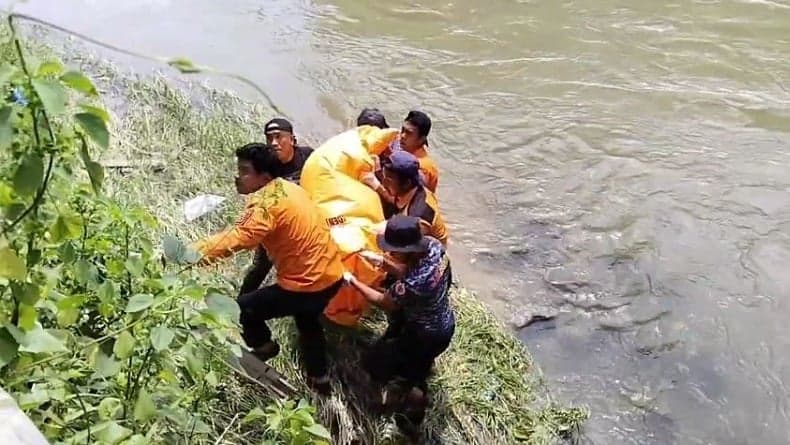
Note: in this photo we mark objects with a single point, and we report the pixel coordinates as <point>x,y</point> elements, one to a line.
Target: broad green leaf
<point>184,65</point>
<point>144,408</point>
<point>7,72</point>
<point>94,169</point>
<point>85,273</point>
<point>194,363</point>
<point>112,433</point>
<point>40,341</point>
<point>27,317</point>
<point>94,127</point>
<point>100,112</point>
<point>107,292</point>
<point>110,408</point>
<point>50,68</point>
<point>318,430</point>
<point>67,226</point>
<point>27,293</point>
<point>211,379</point>
<point>52,95</point>
<point>8,348</point>
<point>11,267</point>
<point>139,303</point>
<point>223,307</point>
<point>134,265</point>
<point>69,310</point>
<point>6,127</point>
<point>105,366</point>
<point>6,194</point>
<point>29,175</point>
<point>254,415</point>
<point>161,337</point>
<point>173,248</point>
<point>124,345</point>
<point>79,82</point>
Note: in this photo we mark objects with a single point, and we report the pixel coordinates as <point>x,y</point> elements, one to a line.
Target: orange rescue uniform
<point>282,219</point>
<point>428,168</point>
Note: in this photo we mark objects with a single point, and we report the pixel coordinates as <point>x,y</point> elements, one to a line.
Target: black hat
<point>403,234</point>
<point>278,124</point>
<point>372,116</point>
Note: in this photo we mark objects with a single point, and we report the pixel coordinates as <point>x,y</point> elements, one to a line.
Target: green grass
<point>178,142</point>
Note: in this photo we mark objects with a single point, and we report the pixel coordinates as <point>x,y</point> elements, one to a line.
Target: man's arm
<point>247,233</point>
<point>380,299</point>
<point>261,266</point>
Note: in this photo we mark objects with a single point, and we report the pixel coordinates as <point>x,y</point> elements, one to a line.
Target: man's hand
<point>349,277</point>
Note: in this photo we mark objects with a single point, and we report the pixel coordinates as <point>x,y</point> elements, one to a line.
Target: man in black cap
<point>280,136</point>
<point>372,116</point>
<point>419,298</point>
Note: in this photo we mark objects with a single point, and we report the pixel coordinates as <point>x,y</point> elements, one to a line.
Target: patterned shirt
<point>423,294</point>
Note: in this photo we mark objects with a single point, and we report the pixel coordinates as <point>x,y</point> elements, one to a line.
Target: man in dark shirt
<point>280,136</point>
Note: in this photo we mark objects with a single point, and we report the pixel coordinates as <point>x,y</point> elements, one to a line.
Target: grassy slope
<point>486,387</point>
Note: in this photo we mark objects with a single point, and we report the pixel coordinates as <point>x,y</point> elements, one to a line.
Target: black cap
<point>278,124</point>
<point>372,116</point>
<point>403,234</point>
<point>404,164</point>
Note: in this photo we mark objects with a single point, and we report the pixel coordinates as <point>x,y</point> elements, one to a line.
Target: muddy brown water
<point>622,165</point>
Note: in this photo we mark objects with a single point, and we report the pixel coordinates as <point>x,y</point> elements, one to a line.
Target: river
<point>621,164</point>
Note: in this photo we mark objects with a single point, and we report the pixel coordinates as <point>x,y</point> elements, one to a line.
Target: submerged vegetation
<point>103,343</point>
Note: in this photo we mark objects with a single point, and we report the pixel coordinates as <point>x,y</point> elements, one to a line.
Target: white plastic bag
<point>201,205</point>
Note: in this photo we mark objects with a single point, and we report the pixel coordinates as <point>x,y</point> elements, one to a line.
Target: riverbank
<point>173,140</point>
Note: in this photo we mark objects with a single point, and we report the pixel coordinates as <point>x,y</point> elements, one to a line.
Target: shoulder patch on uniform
<point>400,288</point>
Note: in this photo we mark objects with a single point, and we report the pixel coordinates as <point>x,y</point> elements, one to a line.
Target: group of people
<point>288,232</point>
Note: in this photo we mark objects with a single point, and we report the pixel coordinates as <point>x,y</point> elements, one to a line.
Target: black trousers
<point>306,308</point>
<point>406,353</point>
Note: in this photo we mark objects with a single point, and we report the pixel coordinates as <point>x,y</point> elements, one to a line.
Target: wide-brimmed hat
<point>403,234</point>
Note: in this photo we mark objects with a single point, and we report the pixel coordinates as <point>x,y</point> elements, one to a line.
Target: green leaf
<point>161,337</point>
<point>318,430</point>
<point>29,175</point>
<point>254,415</point>
<point>124,345</point>
<point>94,169</point>
<point>107,292</point>
<point>223,307</point>
<point>139,303</point>
<point>67,226</point>
<point>50,68</point>
<point>40,341</point>
<point>105,366</point>
<point>211,379</point>
<point>78,81</point>
<point>193,363</point>
<point>144,408</point>
<point>27,293</point>
<point>85,273</point>
<point>69,309</point>
<point>27,317</point>
<point>111,433</point>
<point>110,408</point>
<point>95,127</point>
<point>8,348</point>
<point>100,112</point>
<point>134,265</point>
<point>183,65</point>
<point>11,267</point>
<point>7,72</point>
<point>52,94</point>
<point>6,127</point>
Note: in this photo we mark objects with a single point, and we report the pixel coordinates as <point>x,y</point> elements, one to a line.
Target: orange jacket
<point>282,219</point>
<point>428,168</point>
